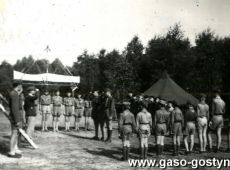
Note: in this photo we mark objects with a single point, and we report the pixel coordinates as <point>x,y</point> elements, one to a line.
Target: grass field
<point>76,150</point>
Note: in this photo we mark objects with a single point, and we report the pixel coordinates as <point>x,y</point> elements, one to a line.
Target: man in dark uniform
<point>162,120</point>
<point>109,111</point>
<point>216,121</point>
<point>30,110</point>
<point>16,120</point>
<point>127,126</point>
<point>96,112</point>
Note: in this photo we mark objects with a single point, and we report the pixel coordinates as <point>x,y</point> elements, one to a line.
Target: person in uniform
<point>127,126</point>
<point>79,110</point>
<point>16,120</point>
<point>144,126</point>
<point>109,112</point>
<point>177,121</point>
<point>202,122</point>
<point>87,111</point>
<point>30,109</point>
<point>69,109</point>
<point>190,118</point>
<point>216,121</point>
<point>161,123</point>
<point>95,112</point>
<point>45,109</point>
<point>57,102</point>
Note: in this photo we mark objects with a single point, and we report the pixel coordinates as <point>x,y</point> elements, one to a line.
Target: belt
<point>78,108</point>
<point>144,123</point>
<point>161,122</point>
<point>177,121</point>
<point>69,105</point>
<point>218,114</point>
<point>45,104</point>
<point>201,116</point>
<point>127,124</point>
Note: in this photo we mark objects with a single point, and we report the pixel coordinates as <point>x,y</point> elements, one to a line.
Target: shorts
<point>177,129</point>
<point>87,112</point>
<point>190,128</point>
<point>144,131</point>
<point>78,113</point>
<point>57,111</point>
<point>46,109</point>
<point>202,122</point>
<point>69,110</point>
<point>217,122</point>
<point>161,129</point>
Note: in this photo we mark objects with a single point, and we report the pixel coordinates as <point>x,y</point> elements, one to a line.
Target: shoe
<point>102,139</point>
<point>95,138</point>
<point>17,151</point>
<point>15,155</point>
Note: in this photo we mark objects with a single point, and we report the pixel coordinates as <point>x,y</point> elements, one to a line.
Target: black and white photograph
<point>114,84</point>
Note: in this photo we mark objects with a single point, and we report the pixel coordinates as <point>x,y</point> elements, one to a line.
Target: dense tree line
<point>199,68</point>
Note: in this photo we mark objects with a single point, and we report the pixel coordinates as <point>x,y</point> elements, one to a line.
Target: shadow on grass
<point>77,136</point>
<point>4,147</point>
<point>115,153</point>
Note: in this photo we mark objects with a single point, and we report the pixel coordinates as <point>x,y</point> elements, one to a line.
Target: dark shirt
<point>14,104</point>
<point>30,105</point>
<point>190,116</point>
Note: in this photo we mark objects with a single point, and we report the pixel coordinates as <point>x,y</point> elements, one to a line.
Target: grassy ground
<point>76,150</point>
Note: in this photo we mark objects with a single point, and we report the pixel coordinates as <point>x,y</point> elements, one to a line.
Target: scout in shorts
<point>127,126</point>
<point>144,126</point>
<point>87,111</point>
<point>190,118</point>
<point>162,120</point>
<point>69,109</point>
<point>202,122</point>
<point>177,120</point>
<point>45,109</point>
<point>57,110</point>
<point>79,109</point>
<point>216,122</point>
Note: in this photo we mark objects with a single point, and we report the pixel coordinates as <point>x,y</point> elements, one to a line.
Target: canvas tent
<point>169,90</point>
<point>45,78</point>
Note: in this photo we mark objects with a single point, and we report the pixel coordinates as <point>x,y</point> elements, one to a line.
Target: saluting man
<point>144,126</point>
<point>79,110</point>
<point>46,109</point>
<point>57,110</point>
<point>69,109</point>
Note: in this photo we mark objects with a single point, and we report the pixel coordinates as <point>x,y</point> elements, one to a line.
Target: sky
<point>71,26</point>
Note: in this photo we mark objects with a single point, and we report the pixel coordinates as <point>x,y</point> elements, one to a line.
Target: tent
<point>169,90</point>
<point>45,78</point>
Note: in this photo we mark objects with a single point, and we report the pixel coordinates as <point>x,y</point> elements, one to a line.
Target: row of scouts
<point>76,107</point>
<point>170,118</point>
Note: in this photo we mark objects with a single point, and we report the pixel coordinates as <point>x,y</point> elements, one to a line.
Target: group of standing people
<point>141,115</point>
<point>162,118</point>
